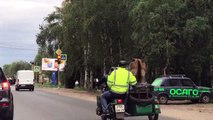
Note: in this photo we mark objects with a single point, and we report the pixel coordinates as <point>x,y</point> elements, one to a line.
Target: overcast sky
<point>19,24</point>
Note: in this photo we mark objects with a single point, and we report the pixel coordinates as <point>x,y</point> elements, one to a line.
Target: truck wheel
<point>205,98</point>
<point>163,99</point>
<point>32,89</point>
<point>17,89</point>
<point>153,117</point>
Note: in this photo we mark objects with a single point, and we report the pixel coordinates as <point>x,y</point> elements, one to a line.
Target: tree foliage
<point>11,69</point>
<point>173,36</point>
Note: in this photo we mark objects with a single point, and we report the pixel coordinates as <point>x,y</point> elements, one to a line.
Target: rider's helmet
<point>123,63</point>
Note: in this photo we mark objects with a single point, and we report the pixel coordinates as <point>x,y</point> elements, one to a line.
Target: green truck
<point>179,87</point>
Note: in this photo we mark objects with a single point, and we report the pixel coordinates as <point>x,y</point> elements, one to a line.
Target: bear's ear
<point>134,59</point>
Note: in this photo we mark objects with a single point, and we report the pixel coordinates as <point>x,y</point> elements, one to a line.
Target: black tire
<point>103,117</point>
<point>32,89</point>
<point>153,117</point>
<point>141,101</point>
<point>116,118</point>
<point>163,99</point>
<point>205,98</point>
<point>98,111</point>
<point>17,89</point>
<point>10,115</point>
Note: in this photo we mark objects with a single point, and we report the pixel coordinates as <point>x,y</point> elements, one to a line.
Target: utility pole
<point>32,67</point>
<point>58,76</point>
<point>58,52</point>
<point>58,69</point>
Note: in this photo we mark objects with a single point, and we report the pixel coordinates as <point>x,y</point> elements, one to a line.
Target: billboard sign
<point>51,64</point>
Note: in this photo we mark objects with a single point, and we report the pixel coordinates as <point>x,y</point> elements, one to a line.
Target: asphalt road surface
<point>39,105</point>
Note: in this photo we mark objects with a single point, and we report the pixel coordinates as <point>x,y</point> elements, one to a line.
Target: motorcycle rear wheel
<point>103,118</point>
<point>153,117</point>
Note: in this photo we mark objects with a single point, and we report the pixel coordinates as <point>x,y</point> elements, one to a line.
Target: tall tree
<point>11,69</point>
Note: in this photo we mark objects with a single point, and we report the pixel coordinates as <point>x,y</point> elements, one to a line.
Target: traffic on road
<point>40,105</point>
<point>106,60</point>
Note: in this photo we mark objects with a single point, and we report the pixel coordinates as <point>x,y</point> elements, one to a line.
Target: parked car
<point>24,80</point>
<point>6,98</point>
<point>179,87</point>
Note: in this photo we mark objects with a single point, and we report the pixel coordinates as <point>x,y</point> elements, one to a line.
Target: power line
<point>20,48</point>
<point>15,42</point>
<point>17,45</point>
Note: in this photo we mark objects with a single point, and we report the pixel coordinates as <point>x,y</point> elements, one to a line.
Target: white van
<point>25,80</point>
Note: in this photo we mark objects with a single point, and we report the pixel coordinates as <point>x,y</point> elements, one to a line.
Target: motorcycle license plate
<point>119,108</point>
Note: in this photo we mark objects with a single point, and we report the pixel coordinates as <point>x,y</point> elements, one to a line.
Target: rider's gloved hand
<point>132,88</point>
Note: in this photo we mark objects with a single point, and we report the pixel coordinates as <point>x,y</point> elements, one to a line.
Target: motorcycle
<point>116,110</point>
<point>141,102</point>
<point>116,107</point>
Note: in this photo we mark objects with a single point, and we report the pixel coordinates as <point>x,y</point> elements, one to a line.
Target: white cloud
<point>19,24</point>
<point>20,10</point>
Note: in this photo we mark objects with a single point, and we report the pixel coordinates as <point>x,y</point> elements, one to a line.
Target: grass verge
<point>47,85</point>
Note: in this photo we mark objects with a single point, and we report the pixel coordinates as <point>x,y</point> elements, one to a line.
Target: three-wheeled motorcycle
<point>140,102</point>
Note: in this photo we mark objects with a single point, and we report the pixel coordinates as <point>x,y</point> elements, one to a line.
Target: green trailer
<point>142,102</point>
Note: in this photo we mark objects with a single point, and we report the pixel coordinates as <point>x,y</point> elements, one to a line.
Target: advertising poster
<point>50,64</point>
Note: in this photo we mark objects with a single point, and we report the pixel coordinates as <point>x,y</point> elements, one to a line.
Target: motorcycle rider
<point>103,81</point>
<point>118,83</point>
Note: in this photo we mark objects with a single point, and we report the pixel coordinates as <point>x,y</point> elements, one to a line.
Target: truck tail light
<point>5,86</point>
<point>4,104</point>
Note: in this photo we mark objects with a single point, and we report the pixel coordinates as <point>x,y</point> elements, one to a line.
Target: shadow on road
<point>24,90</point>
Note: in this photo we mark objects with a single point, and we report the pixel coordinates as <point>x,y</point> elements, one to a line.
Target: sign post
<point>36,69</point>
<point>54,78</point>
<point>58,52</point>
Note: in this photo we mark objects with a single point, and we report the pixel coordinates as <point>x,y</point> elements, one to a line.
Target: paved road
<point>39,105</point>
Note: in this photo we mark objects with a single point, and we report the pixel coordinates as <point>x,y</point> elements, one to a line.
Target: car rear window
<point>157,82</point>
<point>186,82</point>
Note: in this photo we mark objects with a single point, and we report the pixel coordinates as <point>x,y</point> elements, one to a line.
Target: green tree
<point>172,36</point>
<point>11,69</point>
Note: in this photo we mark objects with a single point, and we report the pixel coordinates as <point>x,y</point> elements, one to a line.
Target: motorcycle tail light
<point>119,101</point>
